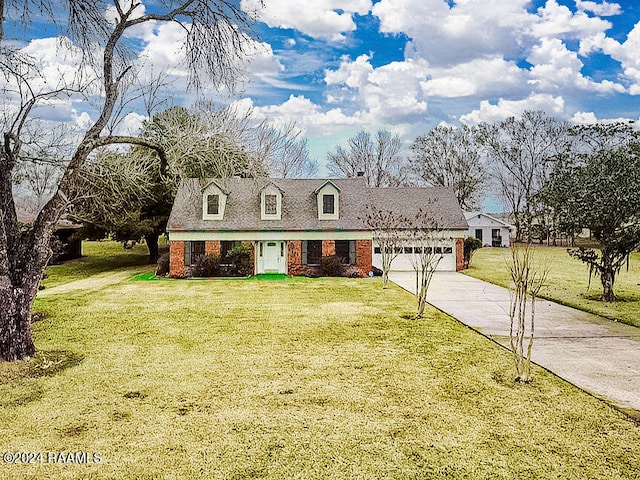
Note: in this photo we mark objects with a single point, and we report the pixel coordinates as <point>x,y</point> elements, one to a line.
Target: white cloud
<point>83,120</point>
<point>556,20</point>
<point>489,112</point>
<point>477,77</point>
<point>604,9</point>
<point>626,53</point>
<point>164,49</point>
<point>132,124</point>
<point>307,115</point>
<point>584,118</point>
<point>447,35</point>
<point>57,63</point>
<point>391,92</point>
<point>327,19</point>
<point>353,74</point>
<point>556,68</point>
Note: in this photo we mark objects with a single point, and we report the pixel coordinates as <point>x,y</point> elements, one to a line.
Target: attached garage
<point>406,257</point>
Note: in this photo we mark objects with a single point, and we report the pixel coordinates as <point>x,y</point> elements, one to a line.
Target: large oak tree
<point>600,190</point>
<point>216,34</point>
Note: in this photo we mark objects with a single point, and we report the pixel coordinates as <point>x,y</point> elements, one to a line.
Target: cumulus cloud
<point>131,124</point>
<point>554,20</point>
<point>477,77</point>
<point>391,92</point>
<point>556,68</point>
<point>82,120</point>
<point>584,118</point>
<point>604,9</point>
<point>327,19</point>
<point>307,115</point>
<point>58,63</point>
<point>446,35</point>
<point>489,112</point>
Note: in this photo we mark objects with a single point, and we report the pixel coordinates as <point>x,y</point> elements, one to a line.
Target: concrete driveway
<point>595,354</point>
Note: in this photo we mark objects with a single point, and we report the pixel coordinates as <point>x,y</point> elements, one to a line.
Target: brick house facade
<point>290,225</point>
<point>295,266</point>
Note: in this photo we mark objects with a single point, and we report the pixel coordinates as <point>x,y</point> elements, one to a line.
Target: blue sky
<point>339,66</point>
<point>409,65</point>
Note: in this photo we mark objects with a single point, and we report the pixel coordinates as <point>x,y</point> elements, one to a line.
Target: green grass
<point>304,378</point>
<point>568,281</point>
<point>98,257</point>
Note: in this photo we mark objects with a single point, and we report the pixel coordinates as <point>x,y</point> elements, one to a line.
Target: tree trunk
<point>152,245</point>
<point>608,277</point>
<point>16,342</point>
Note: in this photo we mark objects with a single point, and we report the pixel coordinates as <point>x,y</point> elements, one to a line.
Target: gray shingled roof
<point>299,207</point>
<point>439,203</point>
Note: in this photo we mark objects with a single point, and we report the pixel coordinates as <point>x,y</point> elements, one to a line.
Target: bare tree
<point>521,151</point>
<point>388,235</point>
<point>378,159</point>
<point>527,277</point>
<point>451,157</point>
<point>216,32</point>
<point>425,239</point>
<point>283,151</point>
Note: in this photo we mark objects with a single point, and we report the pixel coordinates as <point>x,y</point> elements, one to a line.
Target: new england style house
<point>290,224</point>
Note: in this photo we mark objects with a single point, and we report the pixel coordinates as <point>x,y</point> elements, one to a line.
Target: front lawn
<point>296,378</point>
<point>568,281</point>
<point>97,257</point>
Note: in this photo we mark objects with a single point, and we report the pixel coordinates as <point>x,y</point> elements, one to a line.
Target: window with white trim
<point>328,204</point>
<point>213,204</point>
<point>270,204</point>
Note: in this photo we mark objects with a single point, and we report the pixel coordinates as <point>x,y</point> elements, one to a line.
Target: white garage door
<point>402,262</point>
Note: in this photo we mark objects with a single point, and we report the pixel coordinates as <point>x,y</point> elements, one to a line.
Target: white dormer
<point>328,199</point>
<point>271,203</point>
<point>214,201</point>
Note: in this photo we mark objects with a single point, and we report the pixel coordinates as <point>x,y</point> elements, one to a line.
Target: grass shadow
<point>45,363</point>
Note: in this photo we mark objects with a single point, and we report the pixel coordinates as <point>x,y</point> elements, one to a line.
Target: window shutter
<point>352,252</point>
<point>304,252</point>
<point>187,253</point>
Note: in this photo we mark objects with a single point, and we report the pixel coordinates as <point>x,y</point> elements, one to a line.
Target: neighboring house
<point>66,231</point>
<point>489,229</point>
<point>291,224</point>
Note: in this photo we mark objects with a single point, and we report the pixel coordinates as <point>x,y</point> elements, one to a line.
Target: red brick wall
<point>363,255</point>
<point>212,247</point>
<point>328,248</point>
<point>459,254</point>
<point>294,257</point>
<point>176,259</point>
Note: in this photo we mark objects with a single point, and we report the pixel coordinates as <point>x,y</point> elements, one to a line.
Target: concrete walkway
<point>595,354</point>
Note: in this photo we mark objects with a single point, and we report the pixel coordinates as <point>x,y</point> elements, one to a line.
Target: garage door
<point>403,262</point>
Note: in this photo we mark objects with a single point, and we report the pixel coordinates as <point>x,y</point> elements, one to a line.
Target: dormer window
<point>213,204</point>
<point>328,204</point>
<point>214,200</point>
<point>328,196</point>
<point>271,203</point>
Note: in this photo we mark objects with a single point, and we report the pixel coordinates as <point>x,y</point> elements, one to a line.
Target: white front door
<point>272,257</point>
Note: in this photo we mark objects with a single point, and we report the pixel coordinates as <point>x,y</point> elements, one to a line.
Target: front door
<point>272,257</point>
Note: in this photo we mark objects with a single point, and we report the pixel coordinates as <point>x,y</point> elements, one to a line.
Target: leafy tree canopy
<point>601,191</point>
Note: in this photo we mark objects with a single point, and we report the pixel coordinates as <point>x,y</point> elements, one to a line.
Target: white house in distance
<point>490,230</point>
